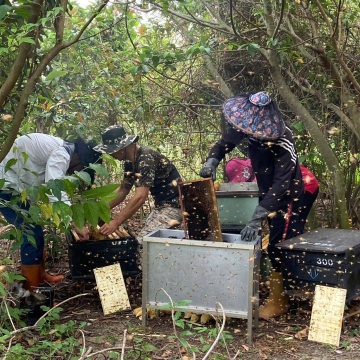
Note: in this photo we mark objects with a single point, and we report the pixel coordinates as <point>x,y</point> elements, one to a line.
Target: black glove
<point>209,168</point>
<point>251,230</point>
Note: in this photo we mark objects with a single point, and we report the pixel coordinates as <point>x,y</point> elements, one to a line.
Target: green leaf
<point>33,192</point>
<point>31,240</point>
<point>28,40</point>
<point>64,210</point>
<point>78,215</point>
<point>2,183</point>
<point>184,343</point>
<point>104,211</point>
<point>35,212</point>
<point>22,11</point>
<point>56,186</point>
<point>110,159</point>
<point>205,348</point>
<point>145,68</point>
<point>4,9</point>
<point>69,187</point>
<point>55,74</point>
<point>180,323</point>
<point>2,290</point>
<point>100,169</point>
<point>84,176</point>
<point>91,212</point>
<point>155,60</point>
<point>100,191</point>
<point>253,49</point>
<point>4,50</point>
<point>134,70</point>
<point>9,164</point>
<point>186,333</point>
<point>299,126</point>
<point>183,303</point>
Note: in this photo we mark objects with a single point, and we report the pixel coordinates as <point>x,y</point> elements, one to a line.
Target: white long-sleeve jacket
<point>39,158</point>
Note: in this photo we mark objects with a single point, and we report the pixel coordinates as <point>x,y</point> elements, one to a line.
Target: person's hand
<point>209,168</point>
<point>108,229</point>
<point>252,228</point>
<point>83,233</point>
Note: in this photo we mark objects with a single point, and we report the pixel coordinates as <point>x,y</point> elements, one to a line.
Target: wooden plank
<point>75,235</point>
<point>200,211</point>
<point>326,316</point>
<point>112,290</point>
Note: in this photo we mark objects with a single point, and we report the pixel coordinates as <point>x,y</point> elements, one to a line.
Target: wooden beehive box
<point>200,210</point>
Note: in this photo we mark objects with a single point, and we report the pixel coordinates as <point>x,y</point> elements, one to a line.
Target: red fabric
<point>239,170</point>
<point>310,181</point>
<point>287,222</point>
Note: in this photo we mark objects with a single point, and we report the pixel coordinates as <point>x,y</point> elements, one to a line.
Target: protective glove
<point>251,230</point>
<point>209,168</point>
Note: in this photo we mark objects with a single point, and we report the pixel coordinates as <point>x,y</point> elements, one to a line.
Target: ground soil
<point>282,338</point>
<point>278,339</point>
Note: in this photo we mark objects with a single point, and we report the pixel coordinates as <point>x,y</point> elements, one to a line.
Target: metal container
<point>236,204</point>
<point>202,271</point>
<point>329,257</point>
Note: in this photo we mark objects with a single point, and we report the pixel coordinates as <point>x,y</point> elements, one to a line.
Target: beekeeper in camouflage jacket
<point>149,171</point>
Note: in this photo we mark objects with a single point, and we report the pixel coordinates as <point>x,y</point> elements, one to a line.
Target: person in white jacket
<point>33,160</point>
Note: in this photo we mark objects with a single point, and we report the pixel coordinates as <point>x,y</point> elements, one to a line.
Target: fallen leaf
<point>166,353</point>
<point>262,355</point>
<point>194,318</point>
<point>187,315</point>
<point>246,348</point>
<point>205,318</point>
<point>302,334</point>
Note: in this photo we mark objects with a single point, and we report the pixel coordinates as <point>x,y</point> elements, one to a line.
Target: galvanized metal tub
<point>202,271</point>
<point>236,204</point>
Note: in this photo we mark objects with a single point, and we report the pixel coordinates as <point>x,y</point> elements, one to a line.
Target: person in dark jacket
<point>275,163</point>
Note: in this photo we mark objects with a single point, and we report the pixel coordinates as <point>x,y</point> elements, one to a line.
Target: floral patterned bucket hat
<point>115,138</point>
<point>253,116</point>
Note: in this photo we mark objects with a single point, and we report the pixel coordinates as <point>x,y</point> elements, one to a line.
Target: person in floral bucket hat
<point>150,172</point>
<point>275,163</point>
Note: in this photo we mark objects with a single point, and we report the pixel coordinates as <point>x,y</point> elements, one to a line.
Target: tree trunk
<point>322,144</point>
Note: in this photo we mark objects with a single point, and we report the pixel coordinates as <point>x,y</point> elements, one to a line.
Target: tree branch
<point>24,50</point>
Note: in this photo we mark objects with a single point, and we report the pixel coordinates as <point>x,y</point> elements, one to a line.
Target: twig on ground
<point>123,345</point>
<point>84,356</point>
<point>8,349</point>
<point>219,334</point>
<point>8,313</point>
<point>290,353</point>
<point>34,326</point>
<point>83,339</point>
<point>282,333</point>
<point>101,351</point>
<point>149,335</point>
<point>173,320</point>
<point>236,355</point>
<point>352,314</point>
